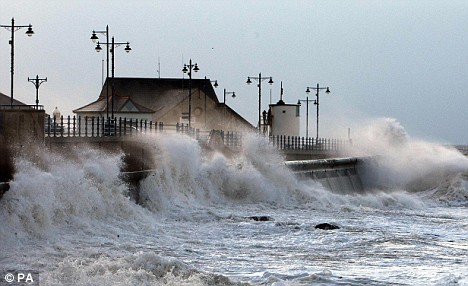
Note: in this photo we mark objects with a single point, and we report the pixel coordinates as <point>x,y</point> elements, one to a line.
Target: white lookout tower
<point>284,118</point>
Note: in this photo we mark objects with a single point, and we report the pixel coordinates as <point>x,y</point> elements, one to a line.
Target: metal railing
<point>21,107</point>
<point>283,142</point>
<point>78,126</point>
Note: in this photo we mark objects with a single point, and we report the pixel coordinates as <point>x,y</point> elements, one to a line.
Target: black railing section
<point>283,142</point>
<point>232,139</point>
<point>91,126</point>
<point>21,107</point>
<point>85,126</point>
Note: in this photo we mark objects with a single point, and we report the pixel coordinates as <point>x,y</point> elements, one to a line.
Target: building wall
<point>20,127</point>
<point>207,112</point>
<point>212,118</point>
<point>284,120</point>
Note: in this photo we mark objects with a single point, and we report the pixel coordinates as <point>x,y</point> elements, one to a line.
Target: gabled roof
<point>158,95</point>
<point>6,100</point>
<point>239,117</point>
<point>121,104</point>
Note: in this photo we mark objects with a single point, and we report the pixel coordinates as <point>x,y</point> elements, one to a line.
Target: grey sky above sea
<point>400,59</point>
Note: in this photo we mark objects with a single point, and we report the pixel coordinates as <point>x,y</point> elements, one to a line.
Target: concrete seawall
<point>340,175</point>
<point>20,127</point>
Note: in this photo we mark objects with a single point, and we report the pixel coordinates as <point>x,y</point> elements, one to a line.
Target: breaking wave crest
<point>85,188</point>
<point>79,200</point>
<point>136,269</point>
<point>82,189</point>
<point>413,165</point>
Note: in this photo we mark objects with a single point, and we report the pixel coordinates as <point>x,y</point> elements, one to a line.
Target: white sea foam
<point>406,163</point>
<point>71,218</point>
<point>84,187</point>
<point>136,269</point>
<point>79,190</point>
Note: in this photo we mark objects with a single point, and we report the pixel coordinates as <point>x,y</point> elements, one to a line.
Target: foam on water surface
<point>70,217</point>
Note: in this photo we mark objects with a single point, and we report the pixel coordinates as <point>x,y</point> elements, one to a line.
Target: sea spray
<point>186,179</point>
<point>405,163</point>
<point>79,189</point>
<point>70,218</point>
<point>135,269</point>
<point>184,174</point>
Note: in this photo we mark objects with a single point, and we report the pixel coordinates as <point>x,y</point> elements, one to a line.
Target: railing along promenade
<point>95,127</point>
<point>78,126</point>
<point>21,107</point>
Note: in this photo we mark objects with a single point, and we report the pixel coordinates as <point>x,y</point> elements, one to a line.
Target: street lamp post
<point>317,89</point>
<point>188,69</point>
<point>13,28</point>
<point>37,82</point>
<point>215,84</point>
<point>307,112</point>
<point>113,45</point>
<point>233,94</point>
<point>95,38</point>
<point>259,79</point>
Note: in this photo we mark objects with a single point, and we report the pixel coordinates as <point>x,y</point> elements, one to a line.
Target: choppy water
<point>71,220</point>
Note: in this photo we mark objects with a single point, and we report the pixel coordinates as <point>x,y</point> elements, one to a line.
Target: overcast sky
<point>406,60</point>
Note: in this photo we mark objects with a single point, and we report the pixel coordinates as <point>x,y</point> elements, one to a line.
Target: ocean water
<point>70,218</point>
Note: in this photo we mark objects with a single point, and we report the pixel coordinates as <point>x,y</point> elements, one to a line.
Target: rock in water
<point>261,218</point>
<point>4,187</point>
<point>327,226</point>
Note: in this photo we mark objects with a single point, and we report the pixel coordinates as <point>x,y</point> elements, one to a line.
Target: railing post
<point>61,125</point>
<point>48,126</point>
<point>55,125</point>
<point>97,126</point>
<point>86,126</point>
<point>79,126</point>
<point>92,126</point>
<point>120,126</point>
<point>103,126</point>
<point>68,125</point>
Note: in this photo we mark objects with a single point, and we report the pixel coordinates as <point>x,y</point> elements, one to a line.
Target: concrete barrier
<point>340,175</point>
<point>18,128</point>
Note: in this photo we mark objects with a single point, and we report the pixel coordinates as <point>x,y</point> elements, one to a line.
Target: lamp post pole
<point>188,69</point>
<point>95,38</point>
<point>259,79</point>
<point>13,28</point>
<point>113,45</point>
<point>317,89</point>
<point>233,93</point>
<point>37,82</point>
<point>204,85</point>
<point>307,112</point>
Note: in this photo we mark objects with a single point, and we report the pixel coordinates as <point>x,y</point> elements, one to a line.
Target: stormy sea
<point>70,217</point>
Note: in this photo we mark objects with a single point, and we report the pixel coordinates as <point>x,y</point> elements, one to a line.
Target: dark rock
<point>4,187</point>
<point>7,168</point>
<point>261,218</point>
<point>327,226</point>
